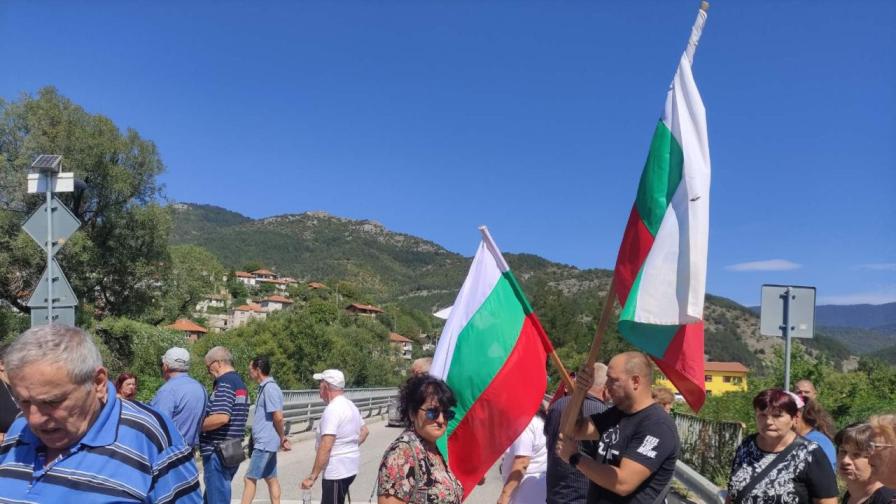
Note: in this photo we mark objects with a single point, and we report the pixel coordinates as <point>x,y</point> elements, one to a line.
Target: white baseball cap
<point>177,358</point>
<point>332,376</point>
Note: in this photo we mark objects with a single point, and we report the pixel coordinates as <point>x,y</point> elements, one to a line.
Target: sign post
<point>787,311</point>
<point>50,226</point>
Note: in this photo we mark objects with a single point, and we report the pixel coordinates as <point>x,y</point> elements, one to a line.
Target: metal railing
<point>301,408</point>
<point>708,446</point>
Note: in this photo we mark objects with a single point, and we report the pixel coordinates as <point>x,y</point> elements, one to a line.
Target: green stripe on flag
<point>650,338</point>
<point>483,346</point>
<point>660,178</point>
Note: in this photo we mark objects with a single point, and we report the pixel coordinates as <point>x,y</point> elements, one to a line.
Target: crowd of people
<point>80,437</point>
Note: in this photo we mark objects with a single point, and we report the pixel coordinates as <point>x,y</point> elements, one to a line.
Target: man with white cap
<point>340,432</point>
<point>181,397</point>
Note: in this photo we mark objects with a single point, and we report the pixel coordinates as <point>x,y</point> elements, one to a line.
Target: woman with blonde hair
<point>883,449</point>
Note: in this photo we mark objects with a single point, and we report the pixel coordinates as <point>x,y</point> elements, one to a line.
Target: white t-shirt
<point>342,419</point>
<point>530,443</point>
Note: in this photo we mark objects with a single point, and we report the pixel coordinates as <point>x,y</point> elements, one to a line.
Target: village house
<point>404,345</point>
<point>245,278</point>
<point>244,313</point>
<point>363,309</point>
<point>719,377</point>
<point>274,303</point>
<point>191,330</point>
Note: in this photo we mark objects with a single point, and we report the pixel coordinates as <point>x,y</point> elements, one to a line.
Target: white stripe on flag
<point>673,280</point>
<point>480,282</point>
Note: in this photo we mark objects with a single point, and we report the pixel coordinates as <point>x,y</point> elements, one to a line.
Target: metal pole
<point>787,296</point>
<point>49,176</point>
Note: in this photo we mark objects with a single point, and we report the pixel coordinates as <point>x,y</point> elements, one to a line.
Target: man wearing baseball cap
<point>181,397</point>
<point>340,432</point>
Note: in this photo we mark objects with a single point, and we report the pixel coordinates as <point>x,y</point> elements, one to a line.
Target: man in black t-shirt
<point>638,442</point>
<point>566,485</point>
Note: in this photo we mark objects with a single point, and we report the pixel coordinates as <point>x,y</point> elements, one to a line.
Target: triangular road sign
<point>63,295</point>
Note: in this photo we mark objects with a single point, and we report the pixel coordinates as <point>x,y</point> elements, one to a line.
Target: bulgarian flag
<point>660,277</point>
<point>492,354</point>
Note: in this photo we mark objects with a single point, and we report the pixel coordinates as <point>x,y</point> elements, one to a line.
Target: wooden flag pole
<point>564,375</point>
<point>573,407</point>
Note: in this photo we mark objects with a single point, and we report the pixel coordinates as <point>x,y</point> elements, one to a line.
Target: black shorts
<point>335,491</point>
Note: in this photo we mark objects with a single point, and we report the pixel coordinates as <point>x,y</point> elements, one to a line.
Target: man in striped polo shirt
<point>228,410</point>
<point>76,441</point>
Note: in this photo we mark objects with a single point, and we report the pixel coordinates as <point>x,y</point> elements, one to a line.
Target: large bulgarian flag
<point>660,276</point>
<point>492,353</point>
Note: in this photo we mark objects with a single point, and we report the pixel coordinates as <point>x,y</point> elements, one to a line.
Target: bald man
<point>638,442</point>
<point>806,390</point>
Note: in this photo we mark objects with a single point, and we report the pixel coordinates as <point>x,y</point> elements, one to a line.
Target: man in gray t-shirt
<point>268,434</point>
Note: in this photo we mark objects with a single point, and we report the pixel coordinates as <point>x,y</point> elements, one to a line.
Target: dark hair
<point>776,400</point>
<point>816,417</point>
<point>123,377</point>
<point>262,363</point>
<point>855,436</point>
<point>417,390</point>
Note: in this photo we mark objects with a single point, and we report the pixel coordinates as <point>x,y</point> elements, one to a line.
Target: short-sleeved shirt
<point>565,483</point>
<point>882,495</point>
<point>804,475</point>
<point>270,399</point>
<point>231,397</point>
<point>826,445</point>
<point>183,399</point>
<point>531,443</point>
<point>648,437</point>
<point>342,419</point>
<point>131,453</point>
<point>416,475</point>
<point>9,410</point>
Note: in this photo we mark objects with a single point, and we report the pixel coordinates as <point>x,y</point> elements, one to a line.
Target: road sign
<point>801,307</point>
<point>64,315</point>
<point>64,225</point>
<point>62,182</point>
<point>63,295</point>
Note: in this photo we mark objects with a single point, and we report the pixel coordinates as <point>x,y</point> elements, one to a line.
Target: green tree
<point>117,259</point>
<point>194,273</point>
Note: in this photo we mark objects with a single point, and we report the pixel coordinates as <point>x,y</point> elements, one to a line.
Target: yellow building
<point>720,377</point>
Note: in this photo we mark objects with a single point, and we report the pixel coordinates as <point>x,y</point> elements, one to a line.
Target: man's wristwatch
<point>574,459</point>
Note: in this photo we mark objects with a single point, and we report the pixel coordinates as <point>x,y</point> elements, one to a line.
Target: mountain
<point>865,316</point>
<point>862,328</point>
<point>390,267</point>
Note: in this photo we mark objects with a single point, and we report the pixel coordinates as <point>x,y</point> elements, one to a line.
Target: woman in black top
<point>799,473</point>
<point>853,450</point>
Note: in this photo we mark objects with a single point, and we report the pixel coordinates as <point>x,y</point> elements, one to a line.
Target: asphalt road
<point>294,465</point>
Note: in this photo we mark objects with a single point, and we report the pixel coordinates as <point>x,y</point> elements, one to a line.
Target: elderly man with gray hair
<point>181,397</point>
<point>228,411</point>
<point>76,441</point>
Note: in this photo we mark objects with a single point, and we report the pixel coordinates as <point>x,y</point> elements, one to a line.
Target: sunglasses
<point>432,414</point>
<point>878,446</point>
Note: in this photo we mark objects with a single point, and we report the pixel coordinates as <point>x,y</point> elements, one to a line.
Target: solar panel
<point>50,162</point>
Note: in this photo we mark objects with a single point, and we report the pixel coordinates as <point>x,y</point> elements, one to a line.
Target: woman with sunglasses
<point>413,471</point>
<point>853,451</point>
<point>883,449</point>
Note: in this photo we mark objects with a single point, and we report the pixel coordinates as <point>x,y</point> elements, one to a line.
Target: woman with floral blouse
<point>413,470</point>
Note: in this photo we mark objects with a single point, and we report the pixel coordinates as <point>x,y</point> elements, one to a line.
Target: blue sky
<point>533,117</point>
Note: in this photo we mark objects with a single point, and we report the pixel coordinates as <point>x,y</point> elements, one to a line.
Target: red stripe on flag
<point>502,411</point>
<point>683,364</point>
<point>636,243</point>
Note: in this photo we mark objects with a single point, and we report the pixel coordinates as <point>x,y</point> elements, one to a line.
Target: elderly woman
<point>853,449</point>
<point>413,470</point>
<point>777,466</point>
<point>126,385</point>
<point>883,447</point>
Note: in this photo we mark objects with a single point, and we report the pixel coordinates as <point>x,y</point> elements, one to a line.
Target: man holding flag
<point>638,443</point>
